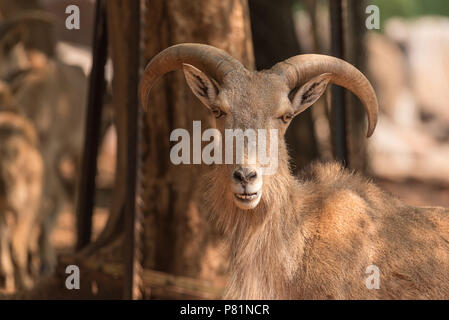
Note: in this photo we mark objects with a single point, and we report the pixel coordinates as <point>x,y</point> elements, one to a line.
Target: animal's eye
<point>286,117</point>
<point>218,112</point>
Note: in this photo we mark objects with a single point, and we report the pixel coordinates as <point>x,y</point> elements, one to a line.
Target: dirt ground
<point>64,235</point>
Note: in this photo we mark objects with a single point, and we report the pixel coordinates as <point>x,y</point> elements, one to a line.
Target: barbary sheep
<point>52,95</point>
<point>315,236</point>
<point>21,180</point>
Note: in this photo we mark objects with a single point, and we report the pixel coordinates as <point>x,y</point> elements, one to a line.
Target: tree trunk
<point>178,238</point>
<point>274,40</point>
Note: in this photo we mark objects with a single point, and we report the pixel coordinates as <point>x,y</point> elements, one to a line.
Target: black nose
<point>244,175</point>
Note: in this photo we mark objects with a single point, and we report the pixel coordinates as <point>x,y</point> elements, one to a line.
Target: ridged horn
<point>213,61</point>
<point>298,69</point>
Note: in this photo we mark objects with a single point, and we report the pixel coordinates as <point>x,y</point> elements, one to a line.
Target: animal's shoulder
<point>332,175</point>
<point>337,190</point>
<point>435,217</point>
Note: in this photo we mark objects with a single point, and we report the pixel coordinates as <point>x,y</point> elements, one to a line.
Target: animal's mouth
<point>246,196</point>
<point>247,200</point>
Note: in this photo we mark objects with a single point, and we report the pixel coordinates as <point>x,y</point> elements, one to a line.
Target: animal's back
<point>350,224</point>
<point>53,97</point>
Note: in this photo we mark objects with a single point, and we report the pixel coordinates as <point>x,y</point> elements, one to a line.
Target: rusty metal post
<point>133,216</point>
<point>338,112</point>
<point>86,187</point>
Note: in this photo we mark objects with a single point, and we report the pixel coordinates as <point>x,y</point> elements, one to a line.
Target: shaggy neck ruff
<point>263,257</point>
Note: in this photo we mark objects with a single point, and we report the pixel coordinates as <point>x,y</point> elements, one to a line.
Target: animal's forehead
<point>254,90</point>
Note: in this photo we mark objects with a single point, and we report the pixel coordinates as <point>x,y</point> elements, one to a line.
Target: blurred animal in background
<point>52,95</point>
<point>21,181</point>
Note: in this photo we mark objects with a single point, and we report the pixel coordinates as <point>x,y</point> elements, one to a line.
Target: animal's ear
<point>310,92</point>
<point>204,88</point>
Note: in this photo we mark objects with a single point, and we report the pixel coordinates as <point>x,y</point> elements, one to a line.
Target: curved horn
<point>32,15</point>
<point>26,16</point>
<point>213,61</point>
<point>301,68</point>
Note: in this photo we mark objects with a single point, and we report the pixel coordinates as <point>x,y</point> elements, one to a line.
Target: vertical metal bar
<point>133,220</point>
<point>355,31</point>
<point>338,112</point>
<point>86,188</point>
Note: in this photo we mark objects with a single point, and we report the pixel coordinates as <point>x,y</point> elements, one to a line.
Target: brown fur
<point>314,237</point>
<point>52,95</point>
<point>21,171</point>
